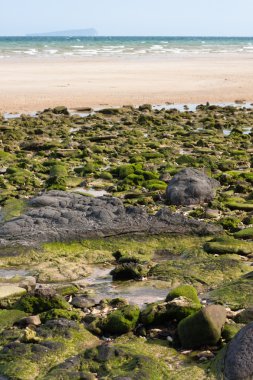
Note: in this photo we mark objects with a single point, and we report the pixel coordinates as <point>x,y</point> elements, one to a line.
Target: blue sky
<point>129,17</point>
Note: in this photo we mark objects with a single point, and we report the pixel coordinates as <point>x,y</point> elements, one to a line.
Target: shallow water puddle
<point>136,292</point>
<point>10,273</point>
<point>90,191</point>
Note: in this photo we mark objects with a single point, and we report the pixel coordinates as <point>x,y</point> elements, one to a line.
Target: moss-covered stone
<point>154,313</point>
<point>75,315</point>
<point>246,233</point>
<point>121,321</point>
<point>187,291</point>
<point>128,271</point>
<point>38,303</point>
<point>230,330</point>
<point>202,328</point>
<point>225,245</point>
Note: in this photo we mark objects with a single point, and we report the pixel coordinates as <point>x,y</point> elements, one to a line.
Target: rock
<point>239,356</point>
<point>83,302</point>
<point>181,307</point>
<point>154,313</point>
<point>212,214</point>
<point>28,283</point>
<point>27,321</point>
<point>202,328</point>
<point>128,271</point>
<point>230,330</point>
<point>63,216</point>
<point>187,291</point>
<point>60,110</point>
<point>245,316</point>
<point>189,187</point>
<point>122,320</point>
<point>41,300</point>
<point>228,244</point>
<point>145,107</point>
<point>11,291</point>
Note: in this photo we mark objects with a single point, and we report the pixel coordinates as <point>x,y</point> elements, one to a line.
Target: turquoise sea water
<point>121,46</point>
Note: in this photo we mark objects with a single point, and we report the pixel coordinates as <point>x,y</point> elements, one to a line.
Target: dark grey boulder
<point>191,186</point>
<point>239,356</point>
<point>63,216</point>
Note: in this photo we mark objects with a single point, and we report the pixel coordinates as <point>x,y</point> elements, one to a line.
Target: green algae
<point>226,245</point>
<point>202,272</point>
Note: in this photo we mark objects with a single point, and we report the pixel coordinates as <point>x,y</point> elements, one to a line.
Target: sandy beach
<point>30,84</point>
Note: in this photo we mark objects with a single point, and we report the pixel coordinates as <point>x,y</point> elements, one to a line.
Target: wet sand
<point>30,84</point>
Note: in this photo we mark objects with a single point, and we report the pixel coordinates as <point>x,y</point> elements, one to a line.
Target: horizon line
<point>125,35</point>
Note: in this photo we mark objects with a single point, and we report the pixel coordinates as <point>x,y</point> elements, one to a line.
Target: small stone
<point>27,321</point>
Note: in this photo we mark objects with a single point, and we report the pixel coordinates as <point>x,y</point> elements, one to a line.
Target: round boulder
<point>239,355</point>
<point>190,187</point>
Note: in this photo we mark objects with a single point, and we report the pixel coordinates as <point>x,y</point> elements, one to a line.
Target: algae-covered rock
<point>225,245</point>
<point>62,110</point>
<point>75,315</point>
<point>41,300</point>
<point>246,233</point>
<point>202,272</point>
<point>128,271</point>
<point>187,291</point>
<point>234,294</point>
<point>238,363</point>
<point>230,330</point>
<point>202,328</point>
<point>191,186</point>
<point>154,313</point>
<point>122,320</point>
<point>181,307</point>
<point>47,346</point>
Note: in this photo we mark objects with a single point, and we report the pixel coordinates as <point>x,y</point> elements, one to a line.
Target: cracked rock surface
<point>63,216</point>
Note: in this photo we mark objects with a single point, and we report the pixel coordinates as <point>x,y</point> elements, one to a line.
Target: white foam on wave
<point>31,51</point>
<point>51,51</point>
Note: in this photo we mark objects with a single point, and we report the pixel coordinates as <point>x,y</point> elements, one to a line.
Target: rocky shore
<point>152,280</point>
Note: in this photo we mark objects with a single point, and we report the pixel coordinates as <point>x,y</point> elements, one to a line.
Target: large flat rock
<point>63,216</point>
<point>7,291</point>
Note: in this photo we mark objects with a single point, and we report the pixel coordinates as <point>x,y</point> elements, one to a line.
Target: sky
<point>129,17</point>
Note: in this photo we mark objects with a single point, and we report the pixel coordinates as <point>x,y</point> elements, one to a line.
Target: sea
<point>121,46</point>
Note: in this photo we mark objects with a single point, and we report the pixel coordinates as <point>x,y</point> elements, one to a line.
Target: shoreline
<point>31,84</point>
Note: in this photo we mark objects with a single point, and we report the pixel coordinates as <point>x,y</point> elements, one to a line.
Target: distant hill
<point>67,33</point>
